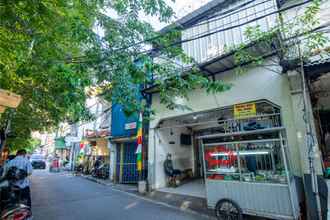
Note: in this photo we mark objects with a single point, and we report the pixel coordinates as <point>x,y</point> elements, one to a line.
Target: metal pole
<point>273,160</point>
<point>239,162</point>
<point>155,158</point>
<point>309,138</point>
<point>287,176</point>
<point>204,166</point>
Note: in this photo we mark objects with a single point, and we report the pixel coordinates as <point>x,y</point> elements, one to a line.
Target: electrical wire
<point>204,35</point>
<point>233,21</point>
<point>242,24</point>
<point>218,17</point>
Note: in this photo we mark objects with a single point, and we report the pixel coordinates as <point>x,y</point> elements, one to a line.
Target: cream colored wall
<point>255,84</point>
<point>182,156</point>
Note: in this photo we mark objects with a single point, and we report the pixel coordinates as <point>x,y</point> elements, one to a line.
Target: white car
<point>38,161</point>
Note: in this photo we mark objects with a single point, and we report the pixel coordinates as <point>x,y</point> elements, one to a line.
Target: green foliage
<point>50,53</point>
<point>27,143</point>
<point>285,36</point>
<point>37,37</point>
<point>125,66</point>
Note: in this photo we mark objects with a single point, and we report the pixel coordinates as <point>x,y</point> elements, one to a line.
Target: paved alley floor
<point>61,196</point>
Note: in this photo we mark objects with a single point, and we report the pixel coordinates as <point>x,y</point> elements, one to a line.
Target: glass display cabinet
<point>246,167</point>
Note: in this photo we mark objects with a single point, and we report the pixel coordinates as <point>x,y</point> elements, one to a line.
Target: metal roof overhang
<point>318,68</point>
<point>122,139</point>
<point>226,62</point>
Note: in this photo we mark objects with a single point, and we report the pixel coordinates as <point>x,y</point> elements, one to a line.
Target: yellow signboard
<point>245,110</point>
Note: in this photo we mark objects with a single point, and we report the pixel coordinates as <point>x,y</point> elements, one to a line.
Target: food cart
<point>247,170</point>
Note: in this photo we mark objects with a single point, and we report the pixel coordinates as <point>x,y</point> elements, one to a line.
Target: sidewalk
<point>189,204</point>
<point>107,182</point>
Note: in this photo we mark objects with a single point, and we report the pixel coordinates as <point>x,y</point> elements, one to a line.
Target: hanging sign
<point>9,99</point>
<point>2,109</point>
<point>245,110</point>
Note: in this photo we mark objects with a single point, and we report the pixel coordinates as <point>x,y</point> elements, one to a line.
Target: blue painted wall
<point>118,121</point>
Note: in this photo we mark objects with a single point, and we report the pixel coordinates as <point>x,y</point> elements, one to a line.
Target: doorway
<point>320,98</point>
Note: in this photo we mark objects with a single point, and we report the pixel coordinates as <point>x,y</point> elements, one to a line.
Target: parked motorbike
<point>11,204</point>
<point>101,172</point>
<point>78,170</point>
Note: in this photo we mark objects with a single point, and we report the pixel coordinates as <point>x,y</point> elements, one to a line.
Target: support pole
<point>309,138</point>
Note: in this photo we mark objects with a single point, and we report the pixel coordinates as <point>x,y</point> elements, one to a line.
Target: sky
<point>180,7</point>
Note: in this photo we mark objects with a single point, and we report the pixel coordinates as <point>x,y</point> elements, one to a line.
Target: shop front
<point>124,141</point>
<point>62,150</point>
<point>320,99</point>
<point>242,148</point>
<point>94,149</point>
<point>265,100</point>
<point>317,79</point>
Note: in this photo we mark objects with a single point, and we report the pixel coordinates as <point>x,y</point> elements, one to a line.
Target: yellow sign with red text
<point>245,110</point>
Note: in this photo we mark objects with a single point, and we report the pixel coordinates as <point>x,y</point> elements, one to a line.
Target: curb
<point>142,197</point>
<point>96,180</point>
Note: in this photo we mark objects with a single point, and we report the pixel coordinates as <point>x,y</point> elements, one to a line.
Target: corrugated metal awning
<point>317,66</point>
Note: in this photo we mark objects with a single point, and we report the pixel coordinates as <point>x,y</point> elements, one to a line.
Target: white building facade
<point>215,28</point>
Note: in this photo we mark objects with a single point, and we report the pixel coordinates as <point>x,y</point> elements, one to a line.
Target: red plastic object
<point>55,163</point>
<point>326,163</point>
<point>20,216</point>
<point>228,160</point>
<point>217,177</point>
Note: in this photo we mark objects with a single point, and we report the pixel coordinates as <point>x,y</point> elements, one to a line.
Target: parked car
<point>38,161</point>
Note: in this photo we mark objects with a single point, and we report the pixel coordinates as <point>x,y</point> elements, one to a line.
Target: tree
<point>36,39</point>
<point>50,53</point>
<point>29,144</point>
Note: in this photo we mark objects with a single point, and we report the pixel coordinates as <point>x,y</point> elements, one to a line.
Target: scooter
<point>101,172</point>
<point>12,207</point>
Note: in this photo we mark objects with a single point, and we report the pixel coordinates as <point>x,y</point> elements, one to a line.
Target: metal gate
<point>126,163</point>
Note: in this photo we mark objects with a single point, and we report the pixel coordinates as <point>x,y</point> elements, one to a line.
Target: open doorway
<point>179,141</point>
<point>320,96</point>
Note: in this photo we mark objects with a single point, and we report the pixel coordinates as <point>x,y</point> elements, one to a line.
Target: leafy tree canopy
<point>50,53</point>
